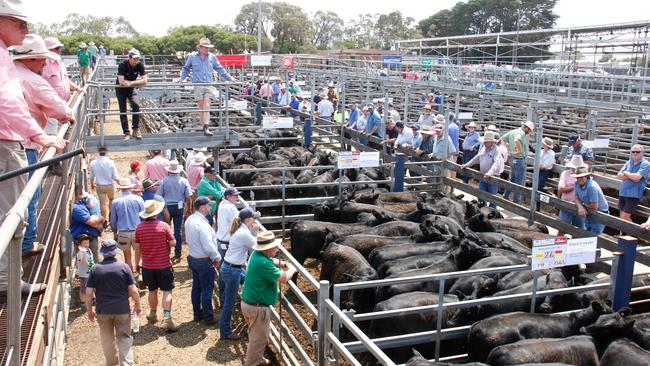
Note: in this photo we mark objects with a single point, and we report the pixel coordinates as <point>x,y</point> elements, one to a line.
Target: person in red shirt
<point>153,240</point>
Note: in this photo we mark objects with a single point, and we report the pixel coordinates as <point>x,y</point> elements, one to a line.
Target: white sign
<point>239,105</point>
<point>260,60</point>
<point>357,159</point>
<point>271,122</point>
<point>597,143</point>
<point>465,116</point>
<point>560,252</point>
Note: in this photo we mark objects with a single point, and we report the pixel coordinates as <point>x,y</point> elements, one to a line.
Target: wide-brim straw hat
<point>471,125</point>
<point>440,118</point>
<point>33,46</point>
<point>427,130</point>
<point>529,124</point>
<point>576,161</point>
<point>199,159</point>
<point>83,45</point>
<point>488,136</point>
<point>205,42</point>
<point>548,142</point>
<point>174,167</point>
<point>266,240</point>
<point>581,171</point>
<point>125,183</point>
<point>152,208</point>
<point>13,9</point>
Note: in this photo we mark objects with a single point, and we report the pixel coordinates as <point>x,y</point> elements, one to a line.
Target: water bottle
<point>135,323</point>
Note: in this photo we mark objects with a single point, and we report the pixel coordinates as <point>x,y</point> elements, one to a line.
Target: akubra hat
<point>266,240</point>
<point>125,183</point>
<point>174,167</point>
<point>13,9</point>
<point>581,171</point>
<point>152,208</point>
<point>205,42</point>
<point>33,47</point>
<point>576,161</point>
<point>488,136</point>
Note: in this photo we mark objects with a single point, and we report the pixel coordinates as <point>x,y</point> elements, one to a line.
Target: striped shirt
<point>152,236</point>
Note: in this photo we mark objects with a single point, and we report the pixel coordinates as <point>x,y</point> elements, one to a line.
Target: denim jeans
<point>574,220</point>
<point>122,96</point>
<point>30,231</point>
<point>594,227</point>
<point>543,177</point>
<point>176,215</point>
<point>232,279</point>
<point>222,285</point>
<point>490,188</point>
<point>517,175</point>
<point>202,286</point>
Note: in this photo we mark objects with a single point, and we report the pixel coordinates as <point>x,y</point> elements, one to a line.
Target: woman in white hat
<point>260,292</point>
<point>56,73</point>
<point>547,160</point>
<point>589,195</point>
<point>566,191</point>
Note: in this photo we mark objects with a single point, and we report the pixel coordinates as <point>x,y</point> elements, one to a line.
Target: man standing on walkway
<point>103,174</point>
<point>634,177</point>
<point>153,240</point>
<point>125,218</point>
<point>491,164</point>
<point>127,80</point>
<point>202,63</point>
<point>203,260</point>
<point>517,144</point>
<point>175,190</point>
<point>156,167</point>
<point>111,283</point>
<point>93,51</point>
<point>83,59</point>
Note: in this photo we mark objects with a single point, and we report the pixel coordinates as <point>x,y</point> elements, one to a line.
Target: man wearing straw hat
<point>491,164</point>
<point>125,217</point>
<point>547,160</point>
<point>202,63</point>
<point>589,195</point>
<point>154,239</point>
<point>16,125</point>
<point>566,190</point>
<point>43,103</point>
<point>127,80</point>
<point>260,292</point>
<point>517,144</point>
<point>83,58</point>
<point>111,283</point>
<point>175,190</point>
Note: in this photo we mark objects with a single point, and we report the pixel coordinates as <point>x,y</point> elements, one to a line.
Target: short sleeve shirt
<point>511,137</point>
<point>83,270</point>
<point>566,180</point>
<point>129,72</point>
<point>628,187</point>
<point>591,193</point>
<point>153,237</point>
<point>84,58</point>
<point>241,242</point>
<point>260,285</point>
<point>111,280</point>
<point>78,226</point>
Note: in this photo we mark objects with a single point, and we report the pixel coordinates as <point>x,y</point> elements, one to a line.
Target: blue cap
<point>108,248</point>
<point>247,213</point>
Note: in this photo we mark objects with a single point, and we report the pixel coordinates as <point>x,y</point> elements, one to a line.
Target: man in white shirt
<point>405,137</point>
<point>226,212</point>
<point>103,175</point>
<point>325,110</point>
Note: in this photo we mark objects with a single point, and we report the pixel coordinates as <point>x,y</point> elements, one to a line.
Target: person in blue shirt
<point>175,190</point>
<point>295,104</point>
<point>82,222</point>
<point>634,177</point>
<point>201,64</point>
<point>125,217</point>
<point>471,146</point>
<point>275,97</point>
<point>373,126</point>
<point>589,195</point>
<point>354,114</point>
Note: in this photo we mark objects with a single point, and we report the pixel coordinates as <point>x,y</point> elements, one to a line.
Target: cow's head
<point>480,223</point>
<point>610,326</point>
<point>468,253</point>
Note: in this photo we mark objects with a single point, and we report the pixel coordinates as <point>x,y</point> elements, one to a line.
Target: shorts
<point>204,92</point>
<point>83,70</point>
<point>82,284</point>
<point>126,240</point>
<point>628,204</point>
<point>158,278</point>
<point>105,193</point>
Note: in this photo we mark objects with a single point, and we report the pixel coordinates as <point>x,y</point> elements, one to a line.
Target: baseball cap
<point>573,138</point>
<point>209,170</point>
<point>135,164</point>
<point>201,201</point>
<point>399,124</point>
<point>247,213</point>
<point>232,191</point>
<point>134,53</point>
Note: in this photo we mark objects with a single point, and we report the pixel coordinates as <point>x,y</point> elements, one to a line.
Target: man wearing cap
<point>575,146</point>
<point>491,164</point>
<point>589,195</point>
<point>127,80</point>
<point>202,63</point>
<point>471,145</point>
<point>226,213</point>
<point>440,145</point>
<point>209,187</point>
<point>566,191</point>
<point>110,284</point>
<point>153,240</point>
<point>83,58</point>
<point>93,50</point>
<point>125,217</point>
<point>426,118</point>
<point>417,136</point>
<point>203,258</point>
<point>405,137</point>
<point>634,177</point>
<point>260,292</point>
<point>56,73</point>
<point>156,167</point>
<point>517,144</point>
<point>175,190</point>
<point>547,160</point>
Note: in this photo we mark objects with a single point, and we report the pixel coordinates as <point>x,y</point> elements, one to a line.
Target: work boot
<point>169,325</point>
<point>152,317</point>
<point>137,134</point>
<point>36,288</point>
<point>36,249</point>
<point>127,136</point>
<point>206,131</point>
<point>232,337</point>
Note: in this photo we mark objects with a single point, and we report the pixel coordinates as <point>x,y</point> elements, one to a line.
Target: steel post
<point>399,170</point>
<point>323,315</point>
<point>14,295</point>
<point>623,271</point>
<point>306,133</point>
<point>441,300</point>
<point>533,296</point>
<point>538,154</point>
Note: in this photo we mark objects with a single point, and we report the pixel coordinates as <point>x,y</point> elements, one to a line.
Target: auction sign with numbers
<point>560,252</point>
<point>357,159</point>
<point>272,122</point>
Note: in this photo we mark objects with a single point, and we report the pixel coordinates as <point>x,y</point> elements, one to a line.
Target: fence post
<point>258,114</point>
<point>399,169</point>
<point>323,294</point>
<point>306,133</point>
<point>623,270</point>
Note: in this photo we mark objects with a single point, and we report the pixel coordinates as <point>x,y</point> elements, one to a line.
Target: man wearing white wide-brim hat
<point>589,195</point>
<point>43,103</point>
<point>566,191</point>
<point>125,217</point>
<point>176,191</point>
<point>16,124</point>
<point>491,164</point>
<point>517,143</point>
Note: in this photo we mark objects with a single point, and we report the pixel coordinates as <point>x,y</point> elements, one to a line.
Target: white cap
<point>133,53</point>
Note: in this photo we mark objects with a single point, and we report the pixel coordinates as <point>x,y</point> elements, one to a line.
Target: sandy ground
<point>193,344</point>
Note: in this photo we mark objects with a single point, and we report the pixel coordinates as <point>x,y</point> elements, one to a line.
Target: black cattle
<point>514,279</point>
<point>525,237</point>
<point>624,352</point>
<point>412,323</point>
<point>575,350</point>
<point>384,254</point>
<point>452,208</point>
<point>603,294</point>
<point>342,264</point>
<point>368,195</point>
<point>518,225</point>
<point>365,243</point>
<point>641,320</point>
<point>241,179</point>
<point>610,327</point>
<point>458,259</point>
<point>367,219</point>
<point>419,360</point>
<point>400,228</point>
<point>422,260</point>
<point>480,224</point>
<point>485,335</point>
<point>446,224</point>
<point>500,258</point>
<point>259,153</point>
<point>308,237</point>
<point>501,241</point>
<point>321,191</point>
<point>474,286</point>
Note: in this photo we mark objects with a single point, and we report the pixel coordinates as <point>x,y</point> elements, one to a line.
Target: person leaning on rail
<point>517,143</point>
<point>634,177</point>
<point>589,195</point>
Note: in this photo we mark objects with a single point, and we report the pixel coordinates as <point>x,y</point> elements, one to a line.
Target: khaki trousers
<point>116,329</point>
<point>259,328</point>
<point>106,195</point>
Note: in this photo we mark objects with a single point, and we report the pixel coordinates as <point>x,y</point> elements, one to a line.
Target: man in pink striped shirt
<point>156,167</point>
<point>56,73</point>
<point>16,125</point>
<point>43,103</point>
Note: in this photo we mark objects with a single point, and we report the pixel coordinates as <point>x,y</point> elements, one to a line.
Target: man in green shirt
<point>83,57</point>
<point>209,187</point>
<point>517,143</point>
<point>260,292</point>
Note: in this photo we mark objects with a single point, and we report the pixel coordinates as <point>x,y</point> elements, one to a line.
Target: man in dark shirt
<point>112,283</point>
<point>127,80</point>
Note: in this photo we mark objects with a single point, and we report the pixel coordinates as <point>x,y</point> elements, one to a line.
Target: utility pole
<point>259,26</point>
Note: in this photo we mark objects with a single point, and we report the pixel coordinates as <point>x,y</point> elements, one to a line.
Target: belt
<point>257,304</point>
<point>201,259</point>
<point>223,242</point>
<point>233,265</point>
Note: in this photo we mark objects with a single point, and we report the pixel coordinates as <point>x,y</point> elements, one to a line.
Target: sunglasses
<point>22,25</point>
<point>637,152</point>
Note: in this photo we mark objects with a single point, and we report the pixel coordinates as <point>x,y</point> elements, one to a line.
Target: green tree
<point>393,26</point>
<point>291,27</point>
<point>361,31</point>
<point>96,26</point>
<point>327,29</point>
<point>246,20</point>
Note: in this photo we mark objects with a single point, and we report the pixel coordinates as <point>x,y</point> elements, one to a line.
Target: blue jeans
<point>202,286</point>
<point>232,279</point>
<point>574,220</point>
<point>30,231</point>
<point>543,177</point>
<point>517,175</point>
<point>490,188</point>
<point>222,285</point>
<point>594,227</point>
<point>176,215</point>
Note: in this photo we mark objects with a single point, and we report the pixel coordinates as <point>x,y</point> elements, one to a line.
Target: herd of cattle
<point>373,234</point>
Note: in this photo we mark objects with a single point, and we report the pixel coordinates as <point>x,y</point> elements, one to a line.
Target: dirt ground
<point>193,344</point>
